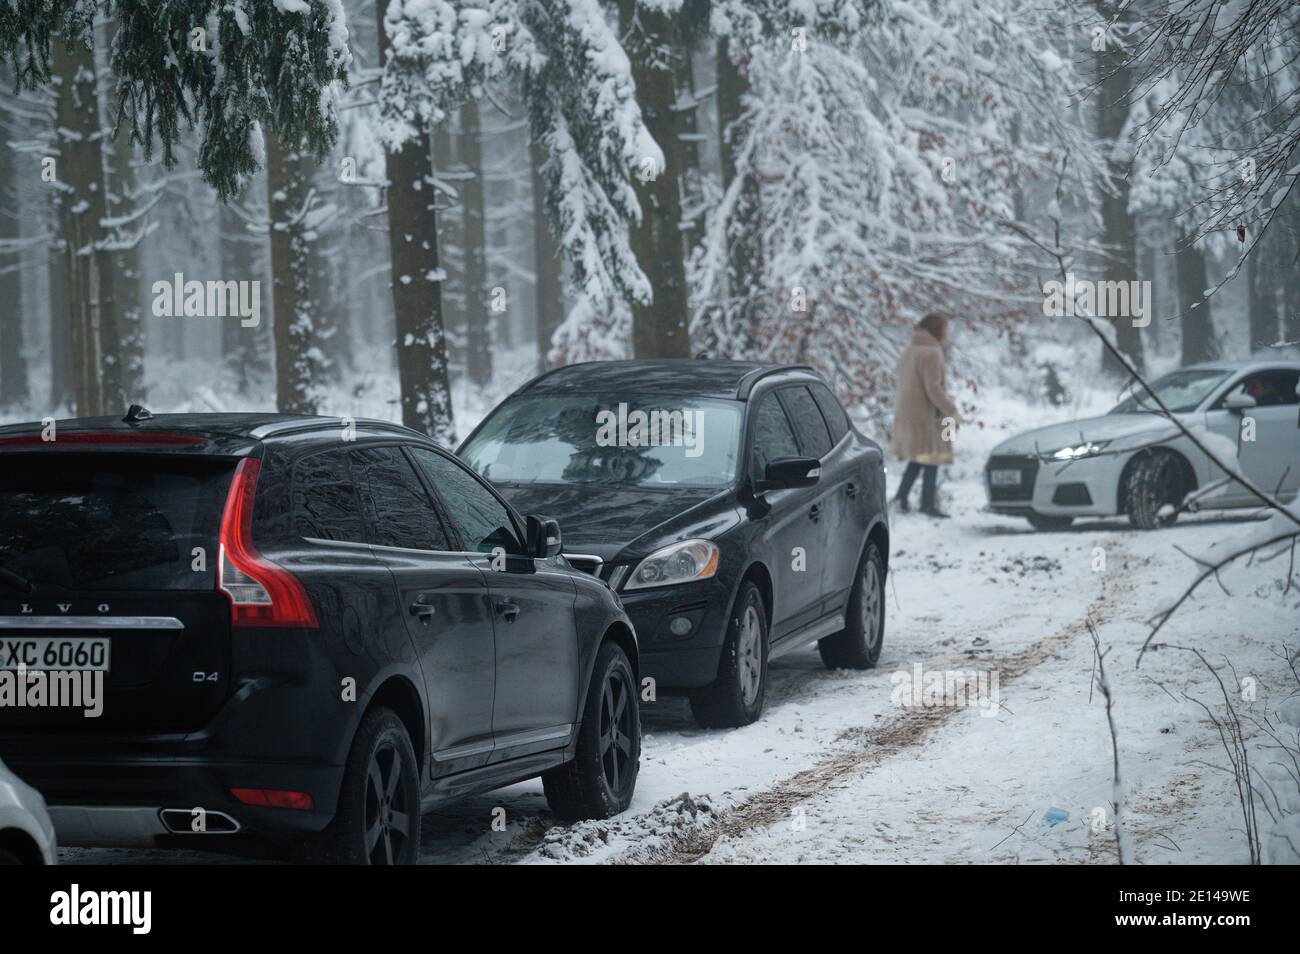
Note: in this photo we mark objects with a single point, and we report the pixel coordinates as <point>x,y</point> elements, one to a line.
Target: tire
<point>601,779</point>
<point>736,696</point>
<point>1154,480</point>
<point>7,857</point>
<point>378,816</point>
<point>1041,521</point>
<point>857,646</point>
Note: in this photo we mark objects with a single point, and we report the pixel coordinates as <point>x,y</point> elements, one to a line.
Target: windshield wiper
<point>17,581</point>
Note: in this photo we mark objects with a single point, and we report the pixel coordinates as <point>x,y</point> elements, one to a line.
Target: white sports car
<point>1132,461</point>
<point>26,833</point>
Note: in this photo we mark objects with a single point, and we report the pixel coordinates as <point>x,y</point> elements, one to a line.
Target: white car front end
<point>1090,467</point>
<point>1070,470</point>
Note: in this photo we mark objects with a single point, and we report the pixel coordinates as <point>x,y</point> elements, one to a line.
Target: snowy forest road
<point>837,770</point>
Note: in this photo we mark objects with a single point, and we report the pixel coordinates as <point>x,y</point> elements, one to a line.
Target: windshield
<point>592,439</point>
<point>104,521</point>
<point>1181,391</point>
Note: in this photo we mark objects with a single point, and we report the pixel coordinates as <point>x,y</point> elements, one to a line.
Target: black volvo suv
<point>733,506</point>
<point>308,631</point>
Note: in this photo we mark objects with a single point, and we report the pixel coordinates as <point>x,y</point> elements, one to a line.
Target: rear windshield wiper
<point>16,581</point>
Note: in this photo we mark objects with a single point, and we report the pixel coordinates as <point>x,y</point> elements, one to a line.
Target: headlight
<point>677,563</point>
<point>1089,449</point>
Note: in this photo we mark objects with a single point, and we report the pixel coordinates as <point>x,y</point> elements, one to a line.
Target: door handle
<point>508,609</point>
<point>851,490</point>
<point>422,611</point>
<point>816,511</point>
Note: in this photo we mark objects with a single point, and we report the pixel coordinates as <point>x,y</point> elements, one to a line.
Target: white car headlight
<point>1088,449</point>
<point>677,563</point>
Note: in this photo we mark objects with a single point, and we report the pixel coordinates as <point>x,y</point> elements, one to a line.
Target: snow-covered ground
<point>837,770</point>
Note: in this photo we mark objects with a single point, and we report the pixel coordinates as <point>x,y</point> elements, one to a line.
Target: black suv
<point>311,631</point>
<point>733,506</point>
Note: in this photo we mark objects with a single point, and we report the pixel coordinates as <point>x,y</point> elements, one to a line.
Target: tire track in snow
<point>876,744</point>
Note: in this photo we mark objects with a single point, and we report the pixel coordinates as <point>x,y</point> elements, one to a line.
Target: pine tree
<point>478,314</point>
<point>659,327</point>
<point>548,290</point>
<point>95,341</point>
<point>289,204</point>
<point>580,98</point>
<point>1119,227</point>
<point>423,377</point>
<point>13,369</point>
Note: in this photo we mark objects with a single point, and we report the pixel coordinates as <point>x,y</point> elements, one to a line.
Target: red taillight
<point>273,798</point>
<point>260,593</point>
<point>163,440</point>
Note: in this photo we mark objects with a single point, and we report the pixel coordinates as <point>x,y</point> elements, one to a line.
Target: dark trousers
<point>929,474</point>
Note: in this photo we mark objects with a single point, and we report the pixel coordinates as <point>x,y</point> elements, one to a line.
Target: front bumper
<point>1088,487</point>
<point>680,661</point>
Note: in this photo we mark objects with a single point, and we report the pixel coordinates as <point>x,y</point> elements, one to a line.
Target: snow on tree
<point>581,101</point>
<point>229,67</point>
<point>886,159</point>
<point>1224,77</point>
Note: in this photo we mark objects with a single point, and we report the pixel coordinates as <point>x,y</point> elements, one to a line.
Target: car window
<point>1272,388</point>
<point>773,435</point>
<point>324,499</point>
<point>482,520</point>
<point>809,425</point>
<point>836,419</point>
<point>397,509</point>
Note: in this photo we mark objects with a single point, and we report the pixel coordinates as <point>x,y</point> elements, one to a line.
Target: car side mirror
<point>1238,401</point>
<point>787,472</point>
<point>543,537</point>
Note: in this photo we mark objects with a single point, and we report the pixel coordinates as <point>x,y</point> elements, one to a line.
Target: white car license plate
<point>55,652</point>
<point>1004,478</point>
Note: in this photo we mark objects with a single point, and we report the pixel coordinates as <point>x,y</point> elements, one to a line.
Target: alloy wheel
<point>616,728</point>
<point>749,653</point>
<point>872,603</point>
<point>389,806</point>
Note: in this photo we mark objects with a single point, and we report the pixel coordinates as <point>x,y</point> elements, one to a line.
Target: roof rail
<point>283,428</point>
<point>746,384</point>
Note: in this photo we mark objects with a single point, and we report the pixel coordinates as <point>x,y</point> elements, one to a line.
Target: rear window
<point>112,522</point>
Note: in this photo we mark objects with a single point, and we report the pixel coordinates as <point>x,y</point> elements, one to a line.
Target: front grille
<point>1028,467</point>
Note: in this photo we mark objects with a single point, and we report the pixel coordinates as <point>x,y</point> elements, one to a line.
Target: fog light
<point>680,626</point>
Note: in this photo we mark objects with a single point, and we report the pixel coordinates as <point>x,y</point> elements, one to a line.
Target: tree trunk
<point>417,283</point>
<point>661,328</point>
<point>1288,263</point>
<point>478,315</point>
<point>95,337</point>
<point>446,162</point>
<point>548,290</point>
<point>1119,229</point>
<point>1261,299</point>
<point>60,329</point>
<point>287,190</point>
<point>688,121</point>
<point>126,265</point>
<point>126,256</point>
<point>13,367</point>
<point>1199,341</point>
<point>240,349</point>
<point>745,235</point>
